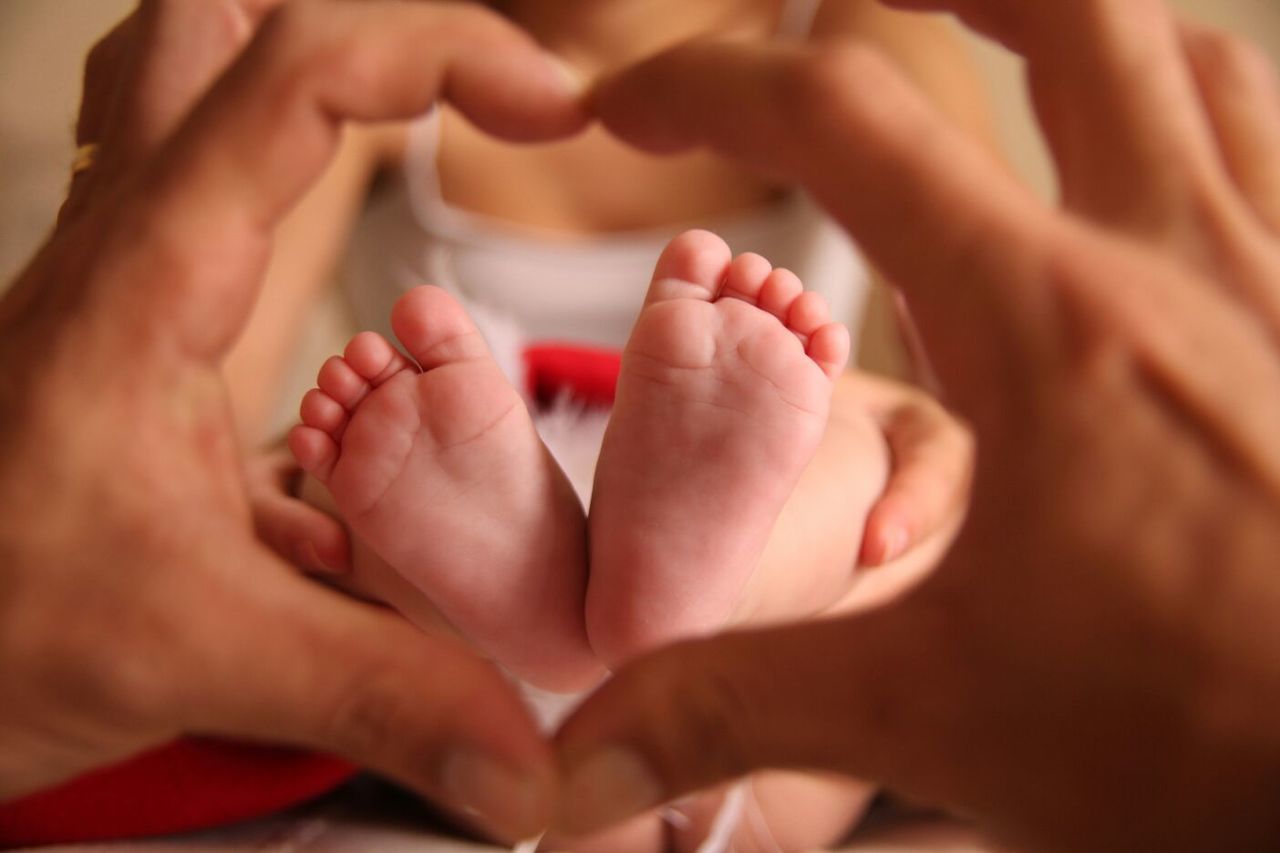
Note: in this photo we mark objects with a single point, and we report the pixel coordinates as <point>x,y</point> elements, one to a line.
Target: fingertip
<point>330,547</point>
<point>517,802</point>
<point>885,540</point>
<point>603,787</point>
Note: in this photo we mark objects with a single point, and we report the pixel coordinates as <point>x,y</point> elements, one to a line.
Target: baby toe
<point>342,383</point>
<point>374,358</point>
<point>315,450</point>
<point>322,412</point>
<point>808,313</point>
<point>746,277</point>
<point>779,290</point>
<point>829,347</point>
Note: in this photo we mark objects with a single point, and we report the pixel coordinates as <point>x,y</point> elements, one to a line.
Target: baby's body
<point>722,401</point>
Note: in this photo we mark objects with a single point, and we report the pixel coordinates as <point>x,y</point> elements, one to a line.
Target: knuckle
<point>837,79</point>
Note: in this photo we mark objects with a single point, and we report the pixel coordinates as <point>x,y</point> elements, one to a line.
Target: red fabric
<point>196,783</point>
<point>588,374</point>
<point>186,785</point>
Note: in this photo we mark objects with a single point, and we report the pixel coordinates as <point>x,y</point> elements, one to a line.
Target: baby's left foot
<point>723,397</point>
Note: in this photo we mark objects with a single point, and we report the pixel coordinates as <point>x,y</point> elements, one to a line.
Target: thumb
<point>853,696</point>
<point>305,666</point>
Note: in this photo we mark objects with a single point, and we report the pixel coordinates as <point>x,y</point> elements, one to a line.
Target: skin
<point>573,186</point>
<point>1097,664</point>
<point>1053,628</point>
<point>593,183</point>
<point>137,605</point>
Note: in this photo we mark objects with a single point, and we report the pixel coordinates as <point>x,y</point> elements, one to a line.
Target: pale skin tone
<point>1106,624</point>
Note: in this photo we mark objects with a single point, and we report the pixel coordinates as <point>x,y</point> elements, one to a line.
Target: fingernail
<point>309,557</point>
<point>608,786</point>
<point>894,545</point>
<point>573,80</point>
<point>514,802</point>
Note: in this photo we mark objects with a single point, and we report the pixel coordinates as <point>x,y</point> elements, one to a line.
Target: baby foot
<point>436,466</point>
<point>723,398</point>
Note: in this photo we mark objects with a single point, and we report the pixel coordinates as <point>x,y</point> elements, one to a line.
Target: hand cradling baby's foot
<point>436,466</point>
<point>723,398</point>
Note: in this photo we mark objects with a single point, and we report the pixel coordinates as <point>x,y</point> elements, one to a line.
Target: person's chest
<point>589,184</point>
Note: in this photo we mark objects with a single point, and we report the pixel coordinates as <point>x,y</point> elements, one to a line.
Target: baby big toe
<point>435,329</point>
<point>692,266</point>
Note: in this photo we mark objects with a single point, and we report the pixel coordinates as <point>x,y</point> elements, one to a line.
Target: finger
<point>179,48</point>
<point>844,123</point>
<point>273,121</point>
<point>933,458</point>
<point>1116,100</point>
<point>1239,88</point>
<point>292,662</point>
<point>267,129</point>
<point>104,71</point>
<point>837,696</point>
<point>302,534</point>
<point>144,76</point>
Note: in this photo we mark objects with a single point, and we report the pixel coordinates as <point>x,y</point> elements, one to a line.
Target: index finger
<point>208,204</point>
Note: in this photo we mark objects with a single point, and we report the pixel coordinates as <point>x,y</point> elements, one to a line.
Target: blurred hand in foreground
<point>1097,665</point>
<point>135,603</point>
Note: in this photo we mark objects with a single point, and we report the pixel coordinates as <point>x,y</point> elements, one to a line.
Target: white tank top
<point>581,290</point>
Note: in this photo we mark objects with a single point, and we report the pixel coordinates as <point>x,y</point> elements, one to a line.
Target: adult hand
<point>135,603</point>
<point>1097,665</point>
<point>927,494</point>
<point>304,535</point>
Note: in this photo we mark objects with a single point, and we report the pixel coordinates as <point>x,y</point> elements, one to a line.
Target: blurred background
<point>42,43</point>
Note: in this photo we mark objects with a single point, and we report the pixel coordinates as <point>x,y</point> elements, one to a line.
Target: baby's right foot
<point>437,467</point>
<point>723,397</point>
